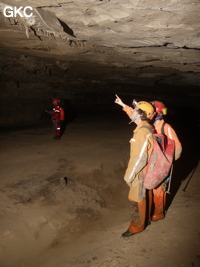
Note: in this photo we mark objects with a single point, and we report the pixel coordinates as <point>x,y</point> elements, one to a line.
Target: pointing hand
<point>119,101</point>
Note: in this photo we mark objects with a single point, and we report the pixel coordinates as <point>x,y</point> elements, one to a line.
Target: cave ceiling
<point>129,42</point>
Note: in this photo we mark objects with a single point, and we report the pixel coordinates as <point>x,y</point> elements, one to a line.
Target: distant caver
<point>58,117</point>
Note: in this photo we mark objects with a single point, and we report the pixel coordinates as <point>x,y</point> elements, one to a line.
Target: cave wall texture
<point>85,52</point>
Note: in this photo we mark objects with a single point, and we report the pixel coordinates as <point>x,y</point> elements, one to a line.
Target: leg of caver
<point>137,204</point>
<point>57,129</point>
<point>159,202</point>
<point>149,206</point>
<point>138,210</point>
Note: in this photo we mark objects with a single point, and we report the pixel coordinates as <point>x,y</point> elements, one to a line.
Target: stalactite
<point>27,31</point>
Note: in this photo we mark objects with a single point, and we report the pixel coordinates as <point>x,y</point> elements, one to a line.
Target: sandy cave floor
<point>64,203</point>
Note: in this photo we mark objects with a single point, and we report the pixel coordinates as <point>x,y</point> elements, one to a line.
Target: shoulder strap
<point>162,128</point>
<point>147,127</point>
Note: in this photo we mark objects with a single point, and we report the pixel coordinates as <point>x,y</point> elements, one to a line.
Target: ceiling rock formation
<point>83,50</point>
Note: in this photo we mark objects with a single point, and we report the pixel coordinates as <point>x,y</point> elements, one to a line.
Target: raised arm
<point>125,107</point>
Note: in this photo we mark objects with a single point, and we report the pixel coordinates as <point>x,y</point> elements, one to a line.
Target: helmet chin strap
<point>133,119</point>
<point>158,117</point>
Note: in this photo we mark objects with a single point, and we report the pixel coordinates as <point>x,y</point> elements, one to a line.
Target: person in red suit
<point>58,117</point>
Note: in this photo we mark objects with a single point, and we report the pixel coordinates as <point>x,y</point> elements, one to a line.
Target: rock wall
<point>87,51</point>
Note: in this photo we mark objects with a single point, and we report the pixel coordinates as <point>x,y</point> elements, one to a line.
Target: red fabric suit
<point>58,116</point>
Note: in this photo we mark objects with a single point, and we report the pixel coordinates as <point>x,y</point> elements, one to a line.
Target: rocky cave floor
<point>64,203</point>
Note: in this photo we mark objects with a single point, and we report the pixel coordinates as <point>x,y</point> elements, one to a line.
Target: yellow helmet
<point>146,107</point>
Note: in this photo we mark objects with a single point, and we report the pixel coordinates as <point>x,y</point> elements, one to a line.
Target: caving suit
<point>159,193</point>
<point>128,110</point>
<point>140,149</point>
<point>58,116</point>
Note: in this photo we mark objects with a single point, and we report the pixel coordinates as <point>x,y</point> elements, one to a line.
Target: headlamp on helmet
<point>134,102</point>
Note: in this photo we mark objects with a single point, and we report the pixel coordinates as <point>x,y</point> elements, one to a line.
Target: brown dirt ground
<point>64,203</point>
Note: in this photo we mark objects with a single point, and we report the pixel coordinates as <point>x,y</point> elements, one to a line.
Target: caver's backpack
<point>160,160</point>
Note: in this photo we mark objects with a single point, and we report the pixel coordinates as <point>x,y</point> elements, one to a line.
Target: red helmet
<point>160,108</point>
<point>56,100</point>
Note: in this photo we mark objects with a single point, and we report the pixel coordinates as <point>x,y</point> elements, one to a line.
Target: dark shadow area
<point>70,114</point>
<point>186,126</point>
<point>66,28</point>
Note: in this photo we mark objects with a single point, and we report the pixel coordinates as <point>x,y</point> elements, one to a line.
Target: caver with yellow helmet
<point>141,147</point>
